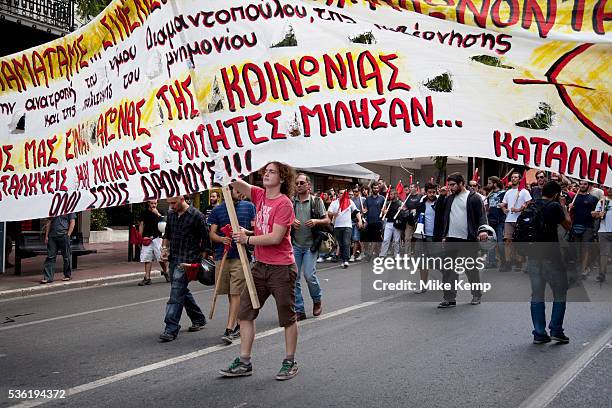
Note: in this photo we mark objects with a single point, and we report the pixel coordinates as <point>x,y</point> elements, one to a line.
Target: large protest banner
<point>157,98</point>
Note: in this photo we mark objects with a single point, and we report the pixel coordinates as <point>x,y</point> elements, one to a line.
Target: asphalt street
<point>101,346</point>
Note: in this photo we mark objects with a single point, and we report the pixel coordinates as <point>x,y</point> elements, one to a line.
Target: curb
<point>61,286</point>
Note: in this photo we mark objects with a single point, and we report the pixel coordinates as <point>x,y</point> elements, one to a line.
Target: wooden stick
<point>244,260</point>
<point>217,284</point>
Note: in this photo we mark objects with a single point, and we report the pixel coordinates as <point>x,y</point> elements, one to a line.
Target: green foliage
<point>491,61</point>
<point>99,219</point>
<point>365,38</point>
<point>542,119</point>
<point>288,41</point>
<point>441,83</point>
<point>87,9</point>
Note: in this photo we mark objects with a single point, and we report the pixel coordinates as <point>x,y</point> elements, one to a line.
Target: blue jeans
<point>343,237</point>
<point>492,256</point>
<point>307,259</point>
<point>61,243</point>
<point>542,271</point>
<point>180,296</point>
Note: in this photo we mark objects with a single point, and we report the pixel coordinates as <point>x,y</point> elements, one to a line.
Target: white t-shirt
<point>510,199</point>
<point>458,227</point>
<point>344,218</point>
<point>605,224</point>
<point>597,192</point>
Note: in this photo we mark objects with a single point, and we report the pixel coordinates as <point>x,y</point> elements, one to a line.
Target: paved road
<point>100,344</point>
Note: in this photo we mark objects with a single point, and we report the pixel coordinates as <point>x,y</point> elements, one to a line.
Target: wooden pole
<point>244,260</point>
<point>217,284</point>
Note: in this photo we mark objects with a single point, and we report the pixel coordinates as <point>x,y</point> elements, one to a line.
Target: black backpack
<point>530,224</point>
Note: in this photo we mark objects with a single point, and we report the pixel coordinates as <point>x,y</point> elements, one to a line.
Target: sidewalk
<point>109,265</point>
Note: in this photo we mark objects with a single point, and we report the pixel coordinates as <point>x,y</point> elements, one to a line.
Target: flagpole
<point>385,202</point>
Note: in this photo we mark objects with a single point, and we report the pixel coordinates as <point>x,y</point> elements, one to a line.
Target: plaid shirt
<point>188,236</point>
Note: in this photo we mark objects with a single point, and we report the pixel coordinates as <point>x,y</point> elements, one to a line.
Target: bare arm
<point>567,222</point>
<point>47,227</point>
<point>141,227</point>
<point>71,227</point>
<point>214,237</point>
<point>243,188</point>
<point>273,238</point>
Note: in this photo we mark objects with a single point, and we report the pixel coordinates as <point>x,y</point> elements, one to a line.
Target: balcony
<point>52,16</point>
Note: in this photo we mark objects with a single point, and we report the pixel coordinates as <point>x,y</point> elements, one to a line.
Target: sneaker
<point>446,304</point>
<point>600,278</point>
<point>475,300</point>
<point>237,369</point>
<point>236,333</point>
<point>352,258</point>
<point>166,276</point>
<point>359,258</point>
<point>320,259</point>
<point>345,265</point>
<point>300,316</point>
<point>541,339</point>
<point>228,337</point>
<point>196,327</point>
<point>560,338</point>
<point>166,337</point>
<point>144,282</point>
<point>66,278</point>
<point>420,291</point>
<point>288,370</point>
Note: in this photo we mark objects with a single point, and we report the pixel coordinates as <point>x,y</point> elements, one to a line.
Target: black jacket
<point>476,215</point>
<point>439,209</point>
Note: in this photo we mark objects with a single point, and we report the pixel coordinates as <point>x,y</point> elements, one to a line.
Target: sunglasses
<point>300,183</point>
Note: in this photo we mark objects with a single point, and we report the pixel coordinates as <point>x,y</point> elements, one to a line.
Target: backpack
<point>530,224</point>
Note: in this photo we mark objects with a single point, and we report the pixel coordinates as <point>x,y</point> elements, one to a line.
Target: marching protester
<point>464,215</point>
<point>544,266</point>
<point>185,242</point>
<point>372,234</point>
<point>536,192</point>
<point>232,276</point>
<point>583,228</point>
<point>603,212</point>
<point>427,209</point>
<point>214,201</point>
<point>413,200</point>
<point>340,211</point>
<point>274,272</point>
<point>514,202</point>
<point>390,231</point>
<point>57,237</point>
<point>496,218</point>
<point>310,215</point>
<point>151,242</point>
<point>356,247</point>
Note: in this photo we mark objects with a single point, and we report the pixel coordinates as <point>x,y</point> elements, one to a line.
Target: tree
<point>440,165</point>
<point>87,9</point>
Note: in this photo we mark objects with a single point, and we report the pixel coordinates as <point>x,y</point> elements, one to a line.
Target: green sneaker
<point>288,370</point>
<point>237,369</point>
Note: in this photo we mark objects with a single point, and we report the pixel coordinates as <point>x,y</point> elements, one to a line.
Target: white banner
<point>154,99</point>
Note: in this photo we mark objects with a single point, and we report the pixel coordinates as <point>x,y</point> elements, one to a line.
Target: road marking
<point>190,356</point>
<point>105,309</point>
<point>548,391</point>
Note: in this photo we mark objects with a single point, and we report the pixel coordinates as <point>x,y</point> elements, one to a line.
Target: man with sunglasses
<point>309,214</point>
<point>583,228</point>
<point>536,192</point>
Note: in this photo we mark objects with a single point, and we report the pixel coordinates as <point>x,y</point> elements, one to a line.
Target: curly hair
<point>287,175</point>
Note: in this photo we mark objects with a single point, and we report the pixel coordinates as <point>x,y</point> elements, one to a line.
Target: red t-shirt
<point>279,211</point>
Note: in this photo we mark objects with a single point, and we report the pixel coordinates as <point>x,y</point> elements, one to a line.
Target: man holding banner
<point>275,272</point>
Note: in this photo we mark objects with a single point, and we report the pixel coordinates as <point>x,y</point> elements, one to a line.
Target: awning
<point>345,170</point>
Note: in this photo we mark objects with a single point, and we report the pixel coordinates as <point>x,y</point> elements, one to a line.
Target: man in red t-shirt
<point>275,272</point>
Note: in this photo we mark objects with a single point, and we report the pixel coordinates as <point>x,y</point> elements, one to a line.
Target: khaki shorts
<point>605,242</point>
<point>232,280</point>
<point>275,280</point>
<point>509,230</point>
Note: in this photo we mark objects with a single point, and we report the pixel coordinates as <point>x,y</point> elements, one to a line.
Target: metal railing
<point>54,15</point>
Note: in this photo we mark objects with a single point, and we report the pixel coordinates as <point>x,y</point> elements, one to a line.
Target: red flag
<point>523,182</point>
<point>476,177</point>
<point>322,196</point>
<point>504,181</point>
<point>411,179</point>
<point>401,193</point>
<point>345,201</point>
<point>227,231</point>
